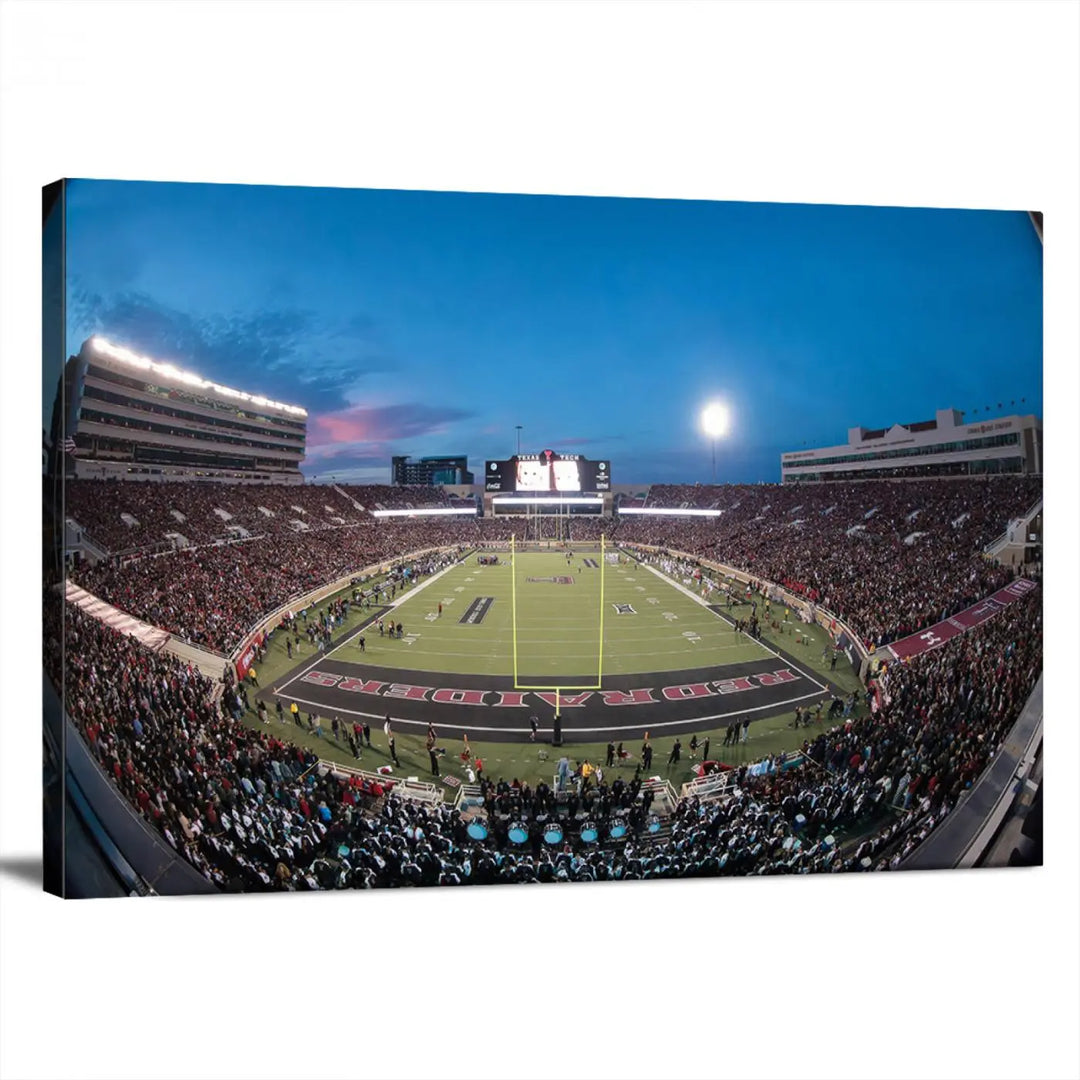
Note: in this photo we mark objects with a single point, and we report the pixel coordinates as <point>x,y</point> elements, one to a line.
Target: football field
<point>555,613</point>
<point>671,665</point>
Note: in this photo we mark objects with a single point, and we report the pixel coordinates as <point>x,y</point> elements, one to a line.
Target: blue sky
<point>424,322</point>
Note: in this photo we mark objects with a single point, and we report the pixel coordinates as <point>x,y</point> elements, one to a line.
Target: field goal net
<point>555,685</point>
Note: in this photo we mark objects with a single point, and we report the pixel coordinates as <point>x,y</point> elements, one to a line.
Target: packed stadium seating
<point>688,496</point>
<point>888,558</point>
<point>386,497</point>
<point>127,516</point>
<point>212,596</point>
<point>245,808</point>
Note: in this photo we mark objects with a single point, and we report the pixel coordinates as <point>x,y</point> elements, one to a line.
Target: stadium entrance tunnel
<point>489,707</point>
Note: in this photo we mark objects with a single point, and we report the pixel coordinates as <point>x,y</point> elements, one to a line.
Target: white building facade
<point>942,447</point>
<point>138,419</point>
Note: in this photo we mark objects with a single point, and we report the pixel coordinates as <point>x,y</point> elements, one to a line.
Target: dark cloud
<point>287,353</point>
<point>362,464</point>
<point>357,443</point>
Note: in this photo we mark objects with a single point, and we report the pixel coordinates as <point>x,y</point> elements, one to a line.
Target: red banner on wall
<point>939,633</point>
<point>247,654</point>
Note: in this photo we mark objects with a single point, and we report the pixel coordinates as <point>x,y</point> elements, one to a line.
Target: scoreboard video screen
<point>547,472</point>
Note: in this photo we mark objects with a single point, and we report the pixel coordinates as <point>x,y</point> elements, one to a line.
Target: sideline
<point>716,614</point>
<point>361,627</point>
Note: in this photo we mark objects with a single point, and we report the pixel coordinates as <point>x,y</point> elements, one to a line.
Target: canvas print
<point>409,538</point>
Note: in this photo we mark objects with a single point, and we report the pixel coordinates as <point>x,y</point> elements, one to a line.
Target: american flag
<point>69,445</point>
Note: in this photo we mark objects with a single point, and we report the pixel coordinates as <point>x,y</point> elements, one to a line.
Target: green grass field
<point>439,647</point>
<point>558,626</point>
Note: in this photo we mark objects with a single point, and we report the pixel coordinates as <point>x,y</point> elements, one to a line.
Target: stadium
<point>548,676</point>
<point>713,528</point>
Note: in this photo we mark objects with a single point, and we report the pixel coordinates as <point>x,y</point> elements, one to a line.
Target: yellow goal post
<point>559,690</point>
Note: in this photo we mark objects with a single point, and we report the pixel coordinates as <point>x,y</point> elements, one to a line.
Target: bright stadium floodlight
<point>715,421</point>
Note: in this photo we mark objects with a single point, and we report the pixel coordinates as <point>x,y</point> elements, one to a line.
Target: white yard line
<point>365,626</point>
<point>705,605</point>
<point>279,689</point>
<point>416,652</point>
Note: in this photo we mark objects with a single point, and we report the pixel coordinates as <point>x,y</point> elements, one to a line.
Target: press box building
<point>944,446</point>
<point>122,415</point>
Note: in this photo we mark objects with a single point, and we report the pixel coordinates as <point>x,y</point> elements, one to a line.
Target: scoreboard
<point>547,472</point>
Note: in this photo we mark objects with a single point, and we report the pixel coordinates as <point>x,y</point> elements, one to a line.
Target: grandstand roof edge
<point>164,369</point>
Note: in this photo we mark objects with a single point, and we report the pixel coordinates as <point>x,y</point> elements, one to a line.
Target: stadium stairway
<point>347,497</point>
<point>1011,545</point>
<point>78,540</point>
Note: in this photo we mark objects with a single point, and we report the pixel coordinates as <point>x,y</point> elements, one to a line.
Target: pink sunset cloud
<point>380,423</point>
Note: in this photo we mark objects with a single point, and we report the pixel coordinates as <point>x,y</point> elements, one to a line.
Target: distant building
<point>431,471</point>
<point>944,446</point>
<point>126,416</point>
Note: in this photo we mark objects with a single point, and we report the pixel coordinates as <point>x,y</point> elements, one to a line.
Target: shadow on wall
<point>25,868</point>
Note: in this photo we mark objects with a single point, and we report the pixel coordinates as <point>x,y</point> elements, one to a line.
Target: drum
<point>553,834</point>
<point>589,833</point>
<point>519,832</point>
<point>617,830</point>
<point>654,824</point>
<point>477,830</point>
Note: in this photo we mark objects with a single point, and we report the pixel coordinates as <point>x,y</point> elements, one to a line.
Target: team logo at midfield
<point>624,609</point>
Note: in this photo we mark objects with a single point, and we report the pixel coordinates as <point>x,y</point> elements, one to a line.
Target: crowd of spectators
<point>212,595</point>
<point>498,530</point>
<point>590,529</point>
<point>690,496</point>
<point>252,812</point>
<point>395,497</point>
<point>127,515</point>
<point>889,558</point>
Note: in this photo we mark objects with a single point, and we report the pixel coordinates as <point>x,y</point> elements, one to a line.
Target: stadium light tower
<point>715,420</point>
<point>518,426</point>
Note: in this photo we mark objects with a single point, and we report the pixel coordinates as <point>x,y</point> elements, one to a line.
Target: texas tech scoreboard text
<point>547,472</point>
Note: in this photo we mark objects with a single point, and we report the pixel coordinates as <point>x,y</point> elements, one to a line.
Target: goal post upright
<point>603,573</point>
<point>513,604</point>
<point>552,694</point>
